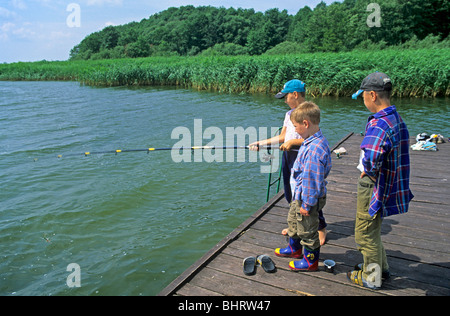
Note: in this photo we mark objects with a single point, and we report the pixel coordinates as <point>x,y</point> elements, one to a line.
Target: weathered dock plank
<point>417,243</point>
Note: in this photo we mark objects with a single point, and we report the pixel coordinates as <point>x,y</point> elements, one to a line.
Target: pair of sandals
<point>264,261</point>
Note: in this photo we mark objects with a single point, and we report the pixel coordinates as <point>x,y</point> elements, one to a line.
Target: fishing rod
<point>148,150</point>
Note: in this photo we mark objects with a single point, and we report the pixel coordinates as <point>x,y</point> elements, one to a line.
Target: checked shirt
<point>311,168</point>
<point>386,158</point>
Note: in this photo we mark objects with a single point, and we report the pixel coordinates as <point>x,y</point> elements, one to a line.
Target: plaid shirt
<point>386,158</point>
<point>311,167</point>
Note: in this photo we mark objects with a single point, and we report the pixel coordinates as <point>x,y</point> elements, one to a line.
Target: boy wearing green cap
<point>383,188</point>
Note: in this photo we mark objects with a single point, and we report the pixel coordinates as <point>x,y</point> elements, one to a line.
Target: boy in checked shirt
<point>308,185</point>
<point>383,188</point>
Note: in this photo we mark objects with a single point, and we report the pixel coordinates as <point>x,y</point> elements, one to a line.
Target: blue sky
<point>32,30</point>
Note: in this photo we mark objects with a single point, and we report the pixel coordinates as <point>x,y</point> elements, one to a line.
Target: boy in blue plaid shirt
<point>383,188</point>
<point>308,184</point>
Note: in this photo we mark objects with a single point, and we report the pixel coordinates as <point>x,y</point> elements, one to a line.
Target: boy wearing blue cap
<point>293,93</point>
<point>383,188</point>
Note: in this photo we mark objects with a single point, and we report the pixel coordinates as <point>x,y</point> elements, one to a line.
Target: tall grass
<point>418,73</point>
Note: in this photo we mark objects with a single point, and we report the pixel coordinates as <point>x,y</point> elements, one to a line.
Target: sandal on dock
<point>267,263</point>
<point>250,266</point>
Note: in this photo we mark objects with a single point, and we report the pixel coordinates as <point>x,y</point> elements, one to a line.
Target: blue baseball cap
<point>291,86</point>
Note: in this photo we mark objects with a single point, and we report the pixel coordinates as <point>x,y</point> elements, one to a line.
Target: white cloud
<point>32,32</point>
<point>26,31</point>
<point>58,35</point>
<point>5,13</point>
<point>19,4</point>
<point>5,29</point>
<point>102,2</point>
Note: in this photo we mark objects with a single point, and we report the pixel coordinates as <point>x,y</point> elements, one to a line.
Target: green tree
<point>257,42</point>
<point>138,49</point>
<point>341,26</point>
<point>335,33</point>
<point>315,28</point>
<point>276,26</point>
<point>109,37</point>
<point>297,31</point>
<point>128,35</point>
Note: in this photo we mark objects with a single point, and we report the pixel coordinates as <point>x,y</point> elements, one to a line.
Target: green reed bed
<point>417,73</point>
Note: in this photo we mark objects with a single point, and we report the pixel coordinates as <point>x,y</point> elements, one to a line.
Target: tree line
<point>339,27</point>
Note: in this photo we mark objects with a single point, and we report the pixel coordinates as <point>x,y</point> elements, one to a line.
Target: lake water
<point>133,222</point>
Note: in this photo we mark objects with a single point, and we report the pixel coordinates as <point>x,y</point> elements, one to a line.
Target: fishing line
<point>149,150</point>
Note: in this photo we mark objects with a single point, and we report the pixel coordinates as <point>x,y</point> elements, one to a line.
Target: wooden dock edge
<point>203,261</point>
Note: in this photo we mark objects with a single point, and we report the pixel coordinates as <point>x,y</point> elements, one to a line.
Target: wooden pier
<point>417,243</point>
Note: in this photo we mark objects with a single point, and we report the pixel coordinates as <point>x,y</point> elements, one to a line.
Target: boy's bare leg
<point>323,236</point>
